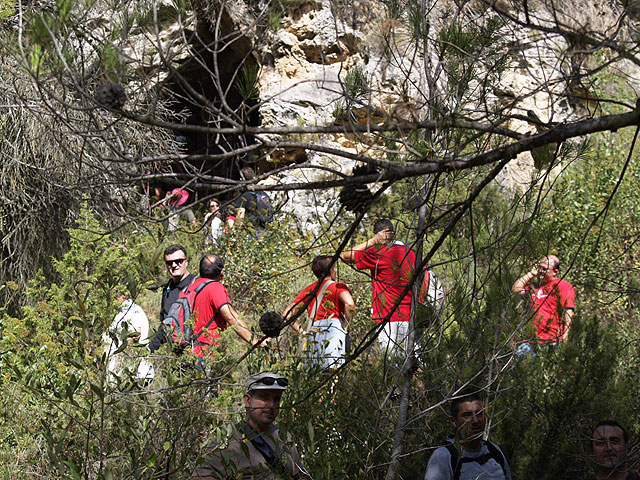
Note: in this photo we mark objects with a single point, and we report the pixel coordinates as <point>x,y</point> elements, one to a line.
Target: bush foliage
<point>63,418</point>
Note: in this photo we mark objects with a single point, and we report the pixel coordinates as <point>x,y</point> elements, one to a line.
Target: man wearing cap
<point>391,264</point>
<point>255,450</point>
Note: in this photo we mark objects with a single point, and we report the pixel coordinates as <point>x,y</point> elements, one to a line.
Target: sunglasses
<point>283,382</point>
<point>177,262</point>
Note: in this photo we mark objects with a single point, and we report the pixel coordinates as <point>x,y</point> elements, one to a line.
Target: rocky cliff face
<point>316,45</point>
<point>332,62</point>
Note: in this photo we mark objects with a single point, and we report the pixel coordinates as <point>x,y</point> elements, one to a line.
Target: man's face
<point>262,407</point>
<point>470,421</point>
<point>609,448</point>
<point>177,264</point>
<point>546,270</point>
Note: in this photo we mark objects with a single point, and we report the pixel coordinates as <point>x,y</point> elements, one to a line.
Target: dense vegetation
<point>62,418</point>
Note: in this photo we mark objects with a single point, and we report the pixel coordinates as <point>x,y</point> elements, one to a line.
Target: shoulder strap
<point>263,447</point>
<point>198,289</point>
<point>454,460</point>
<point>318,299</point>
<point>496,454</point>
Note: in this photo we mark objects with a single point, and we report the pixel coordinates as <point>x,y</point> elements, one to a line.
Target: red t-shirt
<point>207,306</point>
<point>391,268</point>
<point>330,304</point>
<point>548,301</point>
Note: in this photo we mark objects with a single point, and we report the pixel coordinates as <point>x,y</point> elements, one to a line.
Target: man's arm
<point>157,340</point>
<point>239,325</point>
<point>380,238</point>
<point>239,215</point>
<point>439,466</point>
<point>567,317</point>
<point>520,284</point>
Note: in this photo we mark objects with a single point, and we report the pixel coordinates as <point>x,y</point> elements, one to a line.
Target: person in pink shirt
<point>552,300</point>
<point>391,265</point>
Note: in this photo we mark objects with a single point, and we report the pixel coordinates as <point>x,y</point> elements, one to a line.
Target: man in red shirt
<point>213,312</point>
<point>552,300</point>
<point>391,264</point>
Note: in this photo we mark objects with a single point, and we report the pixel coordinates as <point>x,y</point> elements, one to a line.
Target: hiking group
<point>196,309</point>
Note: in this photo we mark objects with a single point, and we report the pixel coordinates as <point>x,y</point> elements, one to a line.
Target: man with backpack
<point>177,262</point>
<point>466,456</point>
<point>253,206</point>
<point>212,310</point>
<point>202,311</point>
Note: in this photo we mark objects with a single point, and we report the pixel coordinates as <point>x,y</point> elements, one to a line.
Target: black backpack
<point>264,210</point>
<point>494,452</point>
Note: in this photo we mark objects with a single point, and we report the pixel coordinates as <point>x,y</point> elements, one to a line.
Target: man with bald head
<point>552,300</point>
<point>212,311</point>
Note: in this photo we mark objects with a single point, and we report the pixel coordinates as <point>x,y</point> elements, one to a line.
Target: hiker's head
<point>263,392</point>
<point>383,228</point>
<point>211,266</point>
<point>320,266</point>
<point>177,262</point>
<point>247,173</point>
<point>609,444</point>
<point>213,205</point>
<point>548,268</point>
<point>468,417</point>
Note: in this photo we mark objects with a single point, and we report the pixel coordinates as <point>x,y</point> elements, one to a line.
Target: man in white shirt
<point>132,324</point>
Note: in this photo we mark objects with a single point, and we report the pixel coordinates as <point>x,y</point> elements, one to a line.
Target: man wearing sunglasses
<point>255,450</point>
<point>177,262</point>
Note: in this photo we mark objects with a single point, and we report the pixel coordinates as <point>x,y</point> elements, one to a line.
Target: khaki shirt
<point>242,460</point>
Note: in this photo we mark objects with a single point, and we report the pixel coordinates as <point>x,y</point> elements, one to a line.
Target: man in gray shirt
<point>466,456</point>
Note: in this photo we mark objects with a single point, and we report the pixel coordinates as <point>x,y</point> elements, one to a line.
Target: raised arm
<point>520,284</point>
<point>380,238</point>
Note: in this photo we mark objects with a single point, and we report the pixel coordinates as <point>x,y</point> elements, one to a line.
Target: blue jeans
<point>526,349</point>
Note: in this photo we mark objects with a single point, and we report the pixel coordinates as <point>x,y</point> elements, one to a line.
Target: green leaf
<point>97,390</point>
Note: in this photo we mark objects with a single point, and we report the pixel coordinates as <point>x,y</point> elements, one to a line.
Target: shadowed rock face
<point>111,95</point>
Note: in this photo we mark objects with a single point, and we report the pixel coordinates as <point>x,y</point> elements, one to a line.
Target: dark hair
<point>175,248</point>
<point>247,173</point>
<point>320,265</point>
<point>610,423</point>
<point>466,397</point>
<point>211,266</point>
<point>213,199</point>
<point>382,224</point>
